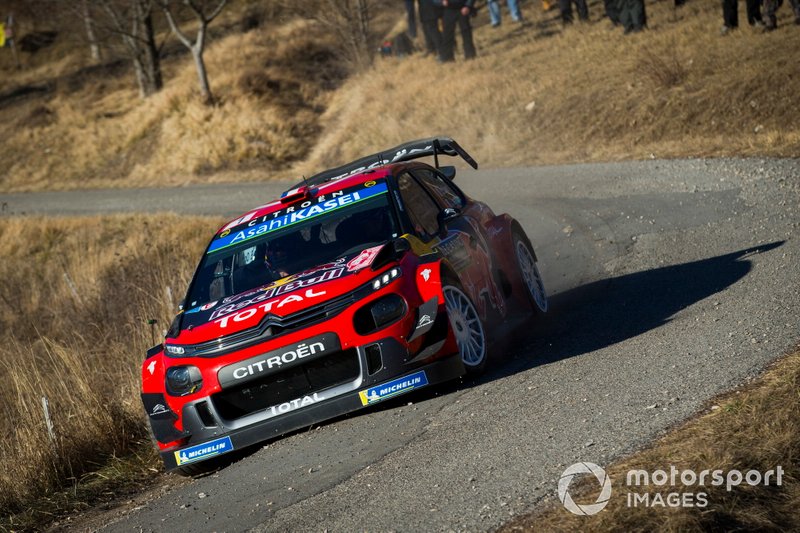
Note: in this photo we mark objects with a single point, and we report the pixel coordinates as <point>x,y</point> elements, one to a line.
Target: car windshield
<point>264,255</point>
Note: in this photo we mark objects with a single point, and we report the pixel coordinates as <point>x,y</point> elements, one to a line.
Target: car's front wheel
<point>529,271</point>
<point>467,328</point>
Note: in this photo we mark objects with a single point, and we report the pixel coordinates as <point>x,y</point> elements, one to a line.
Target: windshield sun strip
<point>381,188</point>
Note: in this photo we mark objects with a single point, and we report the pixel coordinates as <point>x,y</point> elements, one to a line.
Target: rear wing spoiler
<point>434,146</point>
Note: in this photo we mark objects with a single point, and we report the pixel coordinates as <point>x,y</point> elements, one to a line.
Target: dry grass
<point>77,296</point>
<point>757,427</point>
<point>98,133</point>
<point>536,94</point>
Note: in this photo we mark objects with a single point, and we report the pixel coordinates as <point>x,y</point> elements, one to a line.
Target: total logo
<point>266,307</point>
<point>295,404</point>
<point>602,479</point>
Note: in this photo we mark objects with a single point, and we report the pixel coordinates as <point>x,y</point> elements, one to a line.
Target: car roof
<point>318,190</point>
<point>371,167</point>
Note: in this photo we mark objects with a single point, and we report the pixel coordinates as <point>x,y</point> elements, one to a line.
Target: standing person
<point>494,11</point>
<point>771,6</point>
<point>612,11</point>
<point>430,13</point>
<point>632,15</point>
<point>456,12</point>
<point>411,14</point>
<point>730,14</point>
<point>566,10</point>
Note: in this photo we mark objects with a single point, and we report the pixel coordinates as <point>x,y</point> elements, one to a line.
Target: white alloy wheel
<point>531,275</point>
<point>467,327</point>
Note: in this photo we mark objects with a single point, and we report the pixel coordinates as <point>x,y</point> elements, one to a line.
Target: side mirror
<point>447,214</point>
<point>400,246</point>
<point>449,172</point>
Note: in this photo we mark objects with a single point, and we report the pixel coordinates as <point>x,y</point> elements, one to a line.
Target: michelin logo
<point>393,388</point>
<point>203,451</point>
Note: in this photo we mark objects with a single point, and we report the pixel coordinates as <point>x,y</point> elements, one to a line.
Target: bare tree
<point>91,32</point>
<point>349,20</point>
<point>132,20</point>
<point>204,15</point>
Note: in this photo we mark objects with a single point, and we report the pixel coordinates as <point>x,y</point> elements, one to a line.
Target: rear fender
<point>500,232</point>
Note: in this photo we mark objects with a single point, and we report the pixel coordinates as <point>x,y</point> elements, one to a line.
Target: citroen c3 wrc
<point>362,283</point>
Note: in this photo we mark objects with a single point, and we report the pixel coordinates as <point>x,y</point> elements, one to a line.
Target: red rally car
<point>363,283</point>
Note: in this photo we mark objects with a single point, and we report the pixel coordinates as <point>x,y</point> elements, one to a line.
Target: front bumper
<point>205,427</point>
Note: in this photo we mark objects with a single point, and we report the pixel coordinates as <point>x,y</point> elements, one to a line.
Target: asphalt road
<point>671,281</point>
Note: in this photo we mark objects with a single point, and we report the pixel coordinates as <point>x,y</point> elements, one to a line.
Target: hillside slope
<point>537,93</point>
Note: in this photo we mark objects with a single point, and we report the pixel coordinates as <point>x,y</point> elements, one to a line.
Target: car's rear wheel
<point>529,271</point>
<point>467,328</point>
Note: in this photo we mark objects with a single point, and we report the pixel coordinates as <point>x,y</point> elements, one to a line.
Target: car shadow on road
<point>605,312</point>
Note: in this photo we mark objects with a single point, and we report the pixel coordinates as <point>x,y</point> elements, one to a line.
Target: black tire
<point>190,470</point>
<point>470,333</point>
<point>529,272</point>
<point>200,468</point>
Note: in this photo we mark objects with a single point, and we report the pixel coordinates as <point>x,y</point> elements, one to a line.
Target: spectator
<point>612,11</point>
<point>730,14</point>
<point>456,12</point>
<point>494,11</point>
<point>430,13</point>
<point>411,13</point>
<point>632,15</point>
<point>771,6</point>
<point>566,10</point>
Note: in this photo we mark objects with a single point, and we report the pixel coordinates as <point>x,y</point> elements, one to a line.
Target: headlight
<point>386,278</point>
<point>379,314</point>
<point>183,380</point>
<point>176,350</point>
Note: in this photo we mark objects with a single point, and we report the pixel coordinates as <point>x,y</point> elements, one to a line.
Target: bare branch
<point>198,46</point>
<point>174,27</point>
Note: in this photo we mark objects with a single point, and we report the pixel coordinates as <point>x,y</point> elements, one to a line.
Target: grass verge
<point>113,481</point>
<point>756,427</point>
<point>78,294</point>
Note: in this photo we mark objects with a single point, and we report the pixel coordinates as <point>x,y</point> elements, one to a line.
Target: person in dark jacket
<point>771,7</point>
<point>430,13</point>
<point>730,14</point>
<point>456,12</point>
<point>566,10</point>
<point>632,15</point>
<point>411,16</point>
<point>611,11</point>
